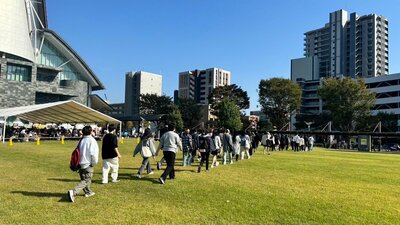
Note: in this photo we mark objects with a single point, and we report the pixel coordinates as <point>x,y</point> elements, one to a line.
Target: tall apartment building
<point>355,46</point>
<point>348,45</point>
<point>137,83</point>
<point>198,84</point>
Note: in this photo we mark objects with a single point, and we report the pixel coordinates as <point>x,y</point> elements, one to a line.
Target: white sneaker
<point>138,176</point>
<point>87,195</point>
<point>231,162</point>
<point>217,164</point>
<point>115,181</point>
<point>71,196</point>
<point>151,173</point>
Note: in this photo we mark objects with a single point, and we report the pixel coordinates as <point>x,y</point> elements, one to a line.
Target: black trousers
<point>169,170</point>
<point>205,158</point>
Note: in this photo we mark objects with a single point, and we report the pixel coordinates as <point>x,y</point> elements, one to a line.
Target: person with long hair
<point>217,143</point>
<point>146,143</point>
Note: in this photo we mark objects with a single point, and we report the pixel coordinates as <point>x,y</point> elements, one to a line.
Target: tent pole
<point>120,129</point>
<point>4,129</point>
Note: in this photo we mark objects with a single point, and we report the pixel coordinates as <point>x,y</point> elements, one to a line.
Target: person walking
<point>236,145</point>
<point>205,147</point>
<point>311,141</point>
<point>228,147</point>
<point>187,144</point>
<point>147,150</point>
<point>169,143</point>
<point>264,141</point>
<point>110,155</point>
<point>244,145</point>
<point>217,144</point>
<point>89,151</point>
<point>195,142</point>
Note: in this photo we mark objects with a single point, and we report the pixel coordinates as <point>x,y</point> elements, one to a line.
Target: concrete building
<point>198,84</point>
<point>355,46</point>
<point>36,64</point>
<point>348,45</point>
<point>138,83</point>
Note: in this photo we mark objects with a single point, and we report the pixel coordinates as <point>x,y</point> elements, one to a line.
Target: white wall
<point>14,29</point>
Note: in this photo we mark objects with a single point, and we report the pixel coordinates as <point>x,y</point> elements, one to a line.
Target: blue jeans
<point>224,157</point>
<point>187,158</point>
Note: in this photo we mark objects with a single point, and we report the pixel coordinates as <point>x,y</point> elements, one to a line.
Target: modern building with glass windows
<point>36,64</point>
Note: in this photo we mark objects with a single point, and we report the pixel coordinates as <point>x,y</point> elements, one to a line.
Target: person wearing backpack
<point>110,155</point>
<point>205,146</point>
<point>89,156</point>
<point>146,149</point>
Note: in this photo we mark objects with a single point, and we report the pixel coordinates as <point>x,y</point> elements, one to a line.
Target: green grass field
<point>322,187</point>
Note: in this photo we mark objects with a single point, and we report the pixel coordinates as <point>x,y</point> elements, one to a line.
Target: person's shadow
<point>63,196</point>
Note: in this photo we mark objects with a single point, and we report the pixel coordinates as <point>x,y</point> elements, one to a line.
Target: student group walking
<point>205,148</point>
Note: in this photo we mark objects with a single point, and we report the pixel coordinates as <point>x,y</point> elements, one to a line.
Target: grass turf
<point>322,187</point>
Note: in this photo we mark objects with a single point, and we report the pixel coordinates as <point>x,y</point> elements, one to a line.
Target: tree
<point>154,104</point>
<point>319,120</point>
<point>174,117</point>
<point>231,92</point>
<point>388,122</point>
<point>191,112</point>
<point>349,101</point>
<point>229,115</point>
<point>279,97</point>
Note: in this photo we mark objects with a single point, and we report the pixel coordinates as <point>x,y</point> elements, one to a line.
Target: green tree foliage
<point>231,92</point>
<point>388,122</point>
<point>319,121</point>
<point>154,104</point>
<point>174,116</point>
<point>229,115</point>
<point>278,97</point>
<point>191,112</point>
<point>349,101</point>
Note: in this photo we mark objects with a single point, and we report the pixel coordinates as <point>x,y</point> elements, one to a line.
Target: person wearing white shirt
<point>89,151</point>
<point>169,143</point>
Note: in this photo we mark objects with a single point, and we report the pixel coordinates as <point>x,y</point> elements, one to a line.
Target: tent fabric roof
<point>58,112</point>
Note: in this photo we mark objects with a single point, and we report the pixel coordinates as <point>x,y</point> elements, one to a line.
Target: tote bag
<point>145,150</point>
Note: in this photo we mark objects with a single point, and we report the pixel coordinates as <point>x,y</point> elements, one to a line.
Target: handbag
<point>146,153</point>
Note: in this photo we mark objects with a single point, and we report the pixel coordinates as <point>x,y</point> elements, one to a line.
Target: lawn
<point>322,187</point>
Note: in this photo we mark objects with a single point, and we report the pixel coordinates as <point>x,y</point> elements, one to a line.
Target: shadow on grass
<point>63,196</point>
<point>65,180</point>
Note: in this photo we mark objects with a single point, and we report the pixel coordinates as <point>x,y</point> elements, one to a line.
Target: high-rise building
<point>198,84</point>
<point>355,46</point>
<point>139,83</point>
<point>347,46</point>
<point>36,64</point>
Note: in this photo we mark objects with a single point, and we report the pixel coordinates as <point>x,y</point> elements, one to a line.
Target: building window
<point>18,72</point>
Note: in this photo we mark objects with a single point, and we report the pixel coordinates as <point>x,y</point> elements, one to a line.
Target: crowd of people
<point>208,147</point>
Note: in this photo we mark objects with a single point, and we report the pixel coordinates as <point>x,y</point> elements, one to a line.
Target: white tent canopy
<point>57,112</point>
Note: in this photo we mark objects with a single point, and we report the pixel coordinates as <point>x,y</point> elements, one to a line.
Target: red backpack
<point>74,163</point>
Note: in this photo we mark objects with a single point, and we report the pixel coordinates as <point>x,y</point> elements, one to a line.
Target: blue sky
<point>254,39</point>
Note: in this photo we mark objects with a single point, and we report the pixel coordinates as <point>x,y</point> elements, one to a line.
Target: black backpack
<point>202,142</point>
